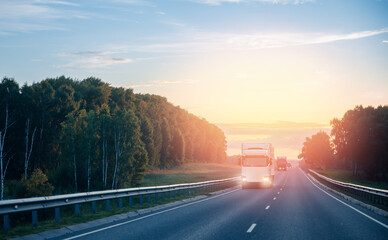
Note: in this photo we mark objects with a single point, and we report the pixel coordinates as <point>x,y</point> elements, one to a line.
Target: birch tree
<point>92,137</point>
<point>4,161</point>
<point>27,155</point>
<point>105,118</point>
<point>68,141</point>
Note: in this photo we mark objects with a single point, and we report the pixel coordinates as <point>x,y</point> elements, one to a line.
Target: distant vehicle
<point>281,163</point>
<point>289,165</point>
<point>257,164</point>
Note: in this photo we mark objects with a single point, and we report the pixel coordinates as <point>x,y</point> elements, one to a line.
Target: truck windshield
<point>255,161</point>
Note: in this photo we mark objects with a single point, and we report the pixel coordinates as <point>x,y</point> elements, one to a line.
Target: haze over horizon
<point>262,70</point>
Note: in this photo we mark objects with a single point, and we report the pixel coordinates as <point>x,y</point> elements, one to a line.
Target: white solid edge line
<point>250,229</point>
<point>150,215</point>
<point>355,209</point>
<point>266,208</point>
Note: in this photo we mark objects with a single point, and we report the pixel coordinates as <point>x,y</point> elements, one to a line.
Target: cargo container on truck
<point>257,164</point>
<point>281,163</point>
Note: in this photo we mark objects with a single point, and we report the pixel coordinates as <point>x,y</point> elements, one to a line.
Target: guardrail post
<point>163,195</point>
<point>156,197</point>
<point>94,208</point>
<point>57,215</point>
<point>141,199</point>
<point>120,203</point>
<point>6,222</point>
<point>130,201</point>
<point>34,218</point>
<point>108,205</point>
<point>173,194</point>
<point>149,198</point>
<point>179,192</point>
<point>77,209</point>
<point>169,194</point>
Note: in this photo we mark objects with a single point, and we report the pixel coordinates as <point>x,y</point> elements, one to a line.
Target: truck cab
<point>257,164</point>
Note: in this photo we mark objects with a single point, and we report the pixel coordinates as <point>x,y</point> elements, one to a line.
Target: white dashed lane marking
<point>250,229</point>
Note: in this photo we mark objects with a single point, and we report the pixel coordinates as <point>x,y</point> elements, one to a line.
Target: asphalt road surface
<point>295,208</point>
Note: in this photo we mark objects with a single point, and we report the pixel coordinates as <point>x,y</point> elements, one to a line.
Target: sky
<point>262,70</point>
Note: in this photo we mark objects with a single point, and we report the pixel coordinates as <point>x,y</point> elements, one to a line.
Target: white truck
<point>257,164</point>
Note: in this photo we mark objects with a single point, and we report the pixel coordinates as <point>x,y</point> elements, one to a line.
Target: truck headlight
<point>266,179</point>
<point>244,179</point>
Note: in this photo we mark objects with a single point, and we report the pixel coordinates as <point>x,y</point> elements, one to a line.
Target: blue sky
<point>253,63</point>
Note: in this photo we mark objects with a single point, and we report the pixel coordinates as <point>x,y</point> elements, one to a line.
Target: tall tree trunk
<point>28,152</point>
<point>1,162</point>
<point>2,158</point>
<point>103,159</point>
<point>75,163</point>
<point>117,157</point>
<point>104,156</point>
<point>89,167</point>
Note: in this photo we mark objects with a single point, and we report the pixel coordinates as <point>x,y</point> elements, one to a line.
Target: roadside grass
<point>21,222</point>
<point>191,172</point>
<point>346,176</point>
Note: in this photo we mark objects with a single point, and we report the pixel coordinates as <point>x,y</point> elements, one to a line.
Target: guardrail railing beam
<point>367,194</point>
<point>8,207</point>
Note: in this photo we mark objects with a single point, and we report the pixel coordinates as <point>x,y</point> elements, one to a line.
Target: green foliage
<point>361,141</point>
<point>318,150</point>
<point>166,144</point>
<point>91,136</point>
<point>38,185</point>
<point>177,151</point>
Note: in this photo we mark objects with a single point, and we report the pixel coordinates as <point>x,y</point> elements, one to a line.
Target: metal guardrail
<point>374,196</point>
<point>8,207</point>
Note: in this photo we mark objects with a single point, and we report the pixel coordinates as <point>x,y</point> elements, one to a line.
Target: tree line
<point>73,136</point>
<point>358,142</point>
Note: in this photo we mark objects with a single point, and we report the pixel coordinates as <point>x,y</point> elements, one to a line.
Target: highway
<point>295,208</point>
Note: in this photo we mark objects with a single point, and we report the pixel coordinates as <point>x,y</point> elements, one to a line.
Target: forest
<point>62,135</point>
<point>358,142</point>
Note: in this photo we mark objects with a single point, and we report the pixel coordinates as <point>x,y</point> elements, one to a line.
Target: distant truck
<point>281,163</point>
<point>257,164</point>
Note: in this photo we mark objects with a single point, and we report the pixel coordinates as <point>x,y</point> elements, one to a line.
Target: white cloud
<point>194,41</point>
<point>385,41</point>
<point>67,3</point>
<point>134,2</point>
<point>137,85</point>
<point>155,83</point>
<point>36,15</point>
<point>87,53</point>
<point>219,2</point>
<point>92,59</point>
<point>94,62</point>
<point>276,40</point>
<point>167,81</point>
<point>19,10</point>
